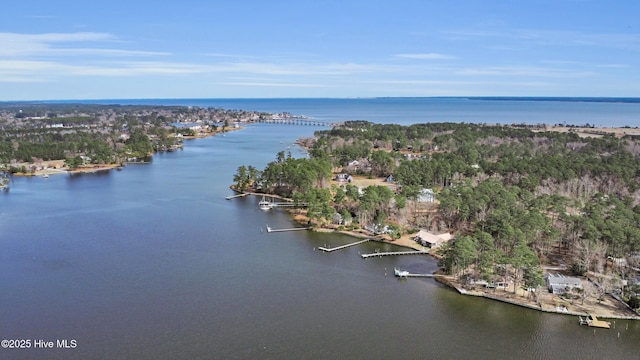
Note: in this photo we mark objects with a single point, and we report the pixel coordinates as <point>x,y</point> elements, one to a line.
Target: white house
<point>426,196</point>
<point>344,178</point>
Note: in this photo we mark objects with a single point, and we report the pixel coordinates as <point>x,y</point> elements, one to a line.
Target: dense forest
<point>515,197</point>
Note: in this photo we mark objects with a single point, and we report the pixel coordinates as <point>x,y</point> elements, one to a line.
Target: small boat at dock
<point>400,273</point>
<point>265,204</point>
<point>592,320</point>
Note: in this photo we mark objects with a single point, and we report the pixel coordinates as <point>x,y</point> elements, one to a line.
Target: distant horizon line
<point>505,98</point>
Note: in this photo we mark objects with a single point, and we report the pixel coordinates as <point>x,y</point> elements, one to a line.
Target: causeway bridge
<point>295,121</point>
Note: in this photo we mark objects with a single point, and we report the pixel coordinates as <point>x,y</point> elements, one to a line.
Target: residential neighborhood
<point>40,139</point>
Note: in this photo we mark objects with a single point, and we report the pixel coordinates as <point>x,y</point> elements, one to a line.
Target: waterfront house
<point>426,196</point>
<point>430,240</point>
<point>377,229</point>
<point>337,219</point>
<point>344,178</point>
<point>558,284</point>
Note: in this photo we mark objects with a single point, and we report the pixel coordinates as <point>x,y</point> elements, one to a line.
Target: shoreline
<point>449,282</point>
<point>62,171</point>
<point>508,297</point>
<point>94,169</point>
<point>616,308</point>
<point>212,133</point>
<point>608,308</point>
<point>56,167</point>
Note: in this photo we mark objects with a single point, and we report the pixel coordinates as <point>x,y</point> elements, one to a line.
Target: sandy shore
<point>54,167</point>
<point>93,169</point>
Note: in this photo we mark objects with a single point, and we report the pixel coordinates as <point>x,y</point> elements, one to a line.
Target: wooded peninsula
<point>519,200</point>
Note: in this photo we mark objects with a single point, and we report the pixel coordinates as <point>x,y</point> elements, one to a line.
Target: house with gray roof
<point>558,284</point>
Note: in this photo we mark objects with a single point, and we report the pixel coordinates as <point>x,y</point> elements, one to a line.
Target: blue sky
<point>322,48</point>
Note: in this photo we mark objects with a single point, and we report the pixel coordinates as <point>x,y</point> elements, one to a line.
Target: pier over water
<point>270,230</point>
<point>325,249</point>
<point>392,253</point>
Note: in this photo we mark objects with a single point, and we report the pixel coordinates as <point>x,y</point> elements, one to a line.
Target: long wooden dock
<point>236,196</point>
<point>343,246</point>
<point>272,204</point>
<point>421,275</point>
<point>392,253</point>
<point>287,204</point>
<point>270,230</point>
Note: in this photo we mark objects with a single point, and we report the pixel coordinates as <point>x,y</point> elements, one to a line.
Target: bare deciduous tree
<point>590,255</point>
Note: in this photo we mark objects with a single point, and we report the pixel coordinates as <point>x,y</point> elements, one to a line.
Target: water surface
<point>152,262</point>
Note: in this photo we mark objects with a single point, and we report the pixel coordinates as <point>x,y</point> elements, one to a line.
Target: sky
<point>69,49</point>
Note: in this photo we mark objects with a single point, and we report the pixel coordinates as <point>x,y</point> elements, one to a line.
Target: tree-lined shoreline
<point>518,198</point>
<point>46,139</point>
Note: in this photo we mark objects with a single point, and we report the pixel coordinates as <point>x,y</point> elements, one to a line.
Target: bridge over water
<point>295,121</point>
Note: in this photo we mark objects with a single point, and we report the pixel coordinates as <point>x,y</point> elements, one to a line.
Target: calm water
<point>151,262</point>
<point>420,110</point>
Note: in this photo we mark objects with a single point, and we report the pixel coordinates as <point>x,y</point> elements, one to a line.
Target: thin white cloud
<point>271,84</point>
<point>552,37</point>
<point>232,56</point>
<point>298,69</point>
<point>105,52</point>
<point>136,69</point>
<point>34,71</point>
<point>28,69</point>
<point>464,83</point>
<point>18,71</point>
<point>583,65</point>
<point>614,66</point>
<point>47,44</point>
<point>426,56</point>
<point>523,71</point>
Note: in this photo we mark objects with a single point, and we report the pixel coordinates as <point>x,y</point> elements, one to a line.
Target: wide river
<point>152,262</point>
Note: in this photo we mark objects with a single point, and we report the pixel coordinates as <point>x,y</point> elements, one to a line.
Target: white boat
<point>265,204</point>
<point>45,176</point>
<point>400,273</point>
<point>592,320</point>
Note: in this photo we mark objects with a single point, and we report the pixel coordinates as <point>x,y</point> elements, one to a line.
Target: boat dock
<point>364,256</point>
<point>236,196</point>
<point>422,275</point>
<point>265,204</point>
<point>405,274</point>
<point>269,204</point>
<point>592,320</point>
<point>343,246</point>
<point>288,204</point>
<point>270,230</point>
